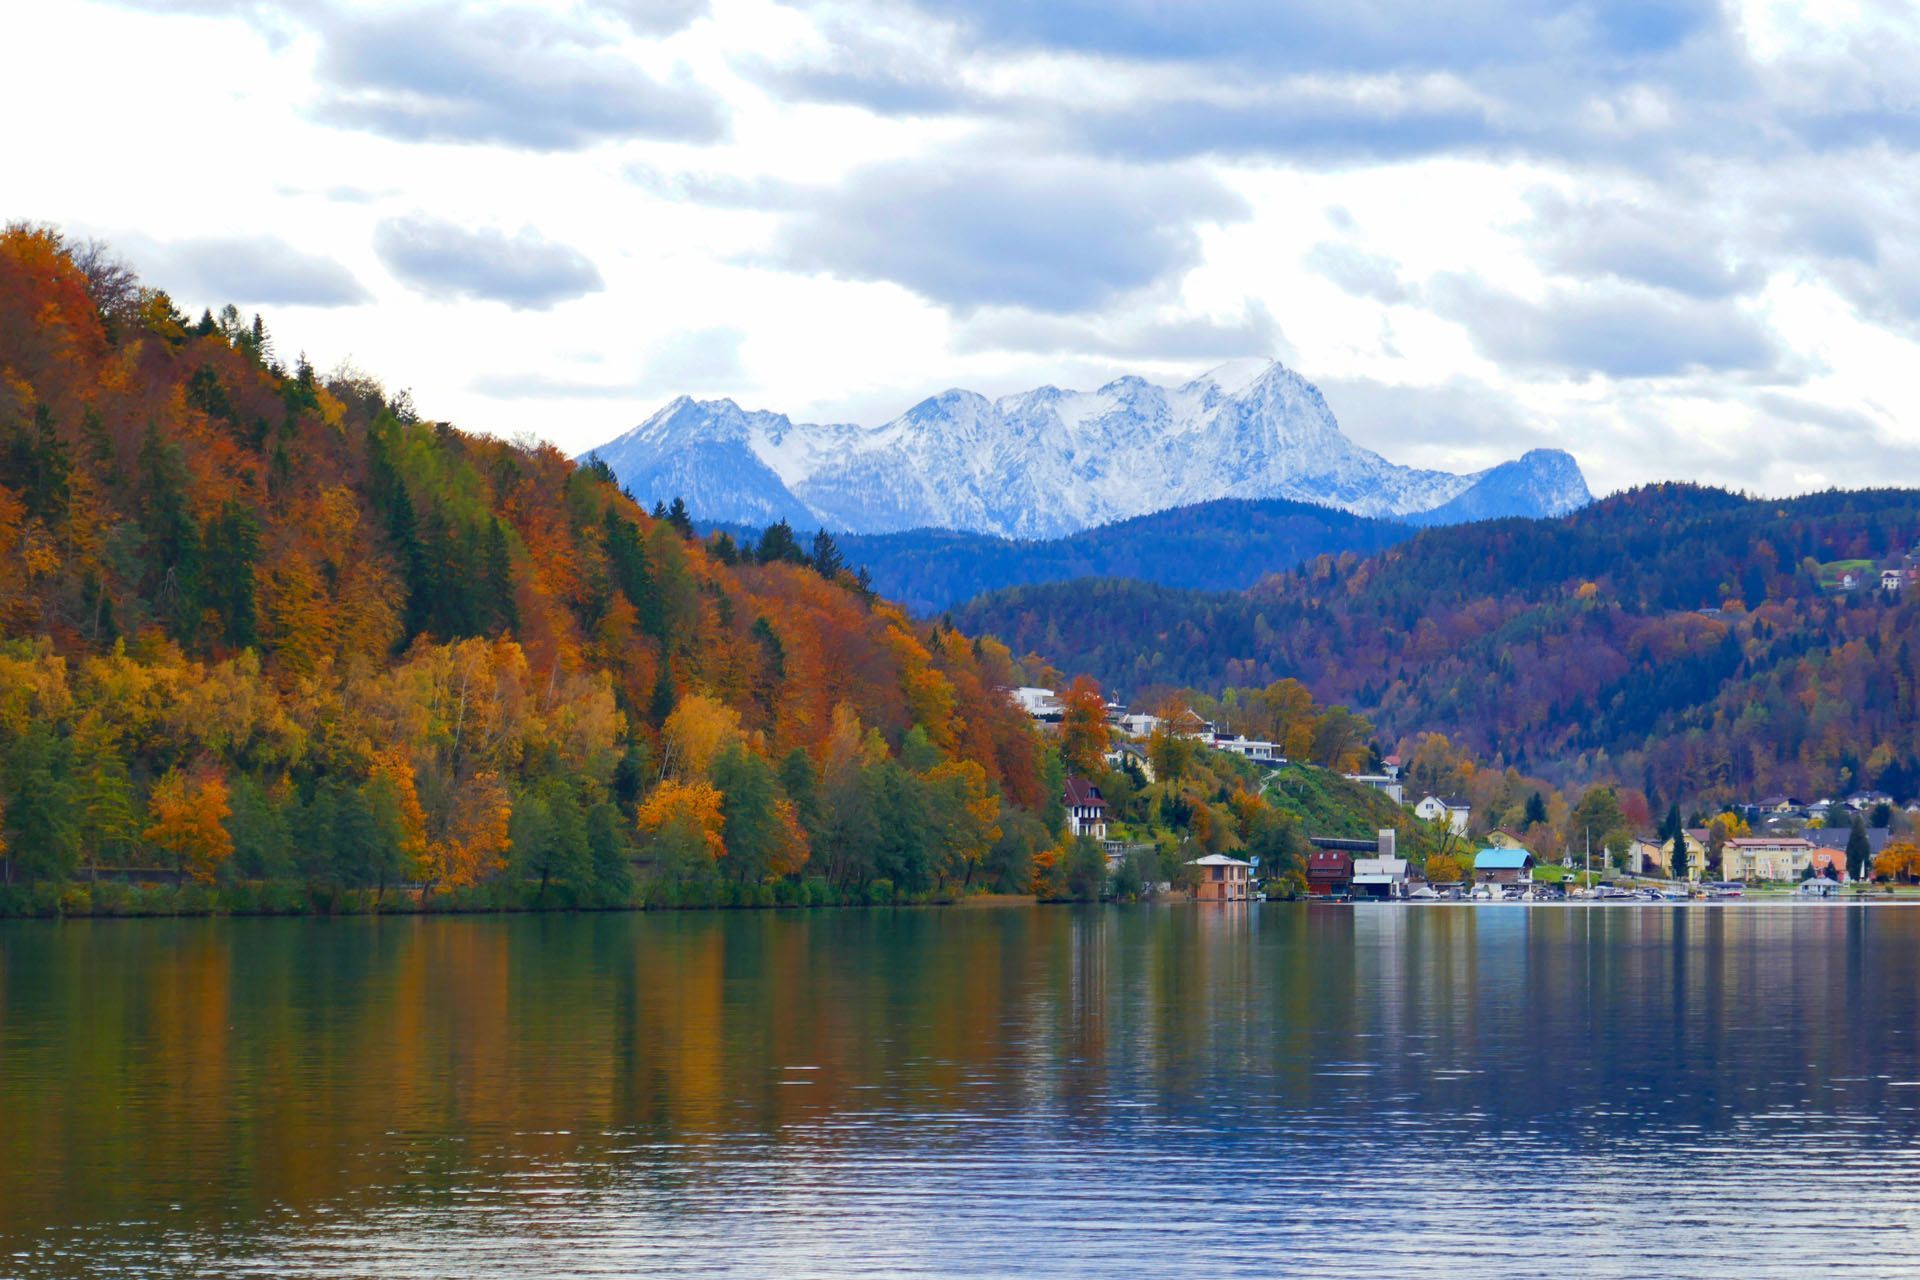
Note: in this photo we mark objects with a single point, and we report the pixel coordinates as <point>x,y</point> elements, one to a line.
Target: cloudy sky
<point>1679,238</point>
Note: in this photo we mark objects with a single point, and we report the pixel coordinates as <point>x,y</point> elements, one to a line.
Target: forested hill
<point>262,625</point>
<point>1223,545</point>
<point>1677,628</point>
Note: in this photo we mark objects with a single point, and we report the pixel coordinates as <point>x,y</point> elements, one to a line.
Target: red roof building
<point>1329,873</point>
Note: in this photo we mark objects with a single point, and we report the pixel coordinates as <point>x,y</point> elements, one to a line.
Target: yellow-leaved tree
<point>695,734</point>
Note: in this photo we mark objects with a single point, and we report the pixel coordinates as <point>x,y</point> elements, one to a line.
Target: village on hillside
<point>1428,845</point>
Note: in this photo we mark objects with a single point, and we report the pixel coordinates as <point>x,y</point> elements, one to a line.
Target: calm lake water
<point>1190,1091</point>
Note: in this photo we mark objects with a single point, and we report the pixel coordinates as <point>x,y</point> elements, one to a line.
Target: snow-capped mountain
<point>1050,462</point>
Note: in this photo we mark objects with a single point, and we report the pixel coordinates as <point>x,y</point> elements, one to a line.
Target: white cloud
<point>1673,236</point>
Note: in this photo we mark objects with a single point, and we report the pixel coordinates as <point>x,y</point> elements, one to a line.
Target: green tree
<point>607,853</point>
<point>825,557</point>
<point>547,839</point>
<point>1536,810</point>
<point>779,544</point>
<point>43,834</point>
<point>1859,849</point>
<point>1674,832</point>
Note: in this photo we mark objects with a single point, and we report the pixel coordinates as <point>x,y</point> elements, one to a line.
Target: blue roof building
<point>1503,866</point>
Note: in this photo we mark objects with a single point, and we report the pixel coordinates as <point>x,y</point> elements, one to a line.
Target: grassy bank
<point>106,900</point>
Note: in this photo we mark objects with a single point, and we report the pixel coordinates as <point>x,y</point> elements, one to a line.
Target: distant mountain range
<point>1049,463</point>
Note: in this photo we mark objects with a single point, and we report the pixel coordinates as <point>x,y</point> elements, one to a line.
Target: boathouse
<point>1384,878</point>
<point>1329,873</point>
<point>1503,867</point>
<point>1221,879</point>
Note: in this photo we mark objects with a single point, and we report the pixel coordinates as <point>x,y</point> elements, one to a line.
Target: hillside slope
<point>1675,629</point>
<point>1222,545</point>
<point>257,624</point>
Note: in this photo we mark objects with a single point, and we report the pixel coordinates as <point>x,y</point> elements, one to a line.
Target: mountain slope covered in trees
<point>1223,545</point>
<point>1675,631</point>
<point>260,627</point>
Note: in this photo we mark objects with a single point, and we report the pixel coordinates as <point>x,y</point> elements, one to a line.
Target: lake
<point>1185,1091</point>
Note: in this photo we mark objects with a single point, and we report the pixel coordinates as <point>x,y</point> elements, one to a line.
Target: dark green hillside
<point>1223,546</point>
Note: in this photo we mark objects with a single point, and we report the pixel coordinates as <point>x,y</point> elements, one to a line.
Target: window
<point>1219,873</point>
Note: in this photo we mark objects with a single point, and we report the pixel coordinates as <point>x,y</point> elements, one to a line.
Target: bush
<point>880,893</point>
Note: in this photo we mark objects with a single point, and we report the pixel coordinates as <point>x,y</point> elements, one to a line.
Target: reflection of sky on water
<point>1193,1091</point>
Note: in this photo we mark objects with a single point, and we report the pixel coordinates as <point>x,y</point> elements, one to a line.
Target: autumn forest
<point>274,642</point>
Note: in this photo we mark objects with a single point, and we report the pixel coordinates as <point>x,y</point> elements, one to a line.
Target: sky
<point>1679,239</point>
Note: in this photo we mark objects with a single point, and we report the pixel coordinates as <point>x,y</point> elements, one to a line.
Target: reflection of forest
<point>244,1067</point>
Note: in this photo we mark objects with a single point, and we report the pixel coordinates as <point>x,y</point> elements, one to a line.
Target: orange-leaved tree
<point>1083,726</point>
<point>691,808</point>
<point>186,818</point>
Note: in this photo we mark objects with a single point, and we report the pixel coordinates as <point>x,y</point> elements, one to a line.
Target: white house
<point>1086,809</point>
<point>1384,877</point>
<point>1041,704</point>
<point>1137,724</point>
<point>1457,812</point>
<point>1255,749</point>
<point>1387,784</point>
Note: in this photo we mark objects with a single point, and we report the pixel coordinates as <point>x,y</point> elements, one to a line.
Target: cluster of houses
<point>1796,842</point>
<point>1894,574</point>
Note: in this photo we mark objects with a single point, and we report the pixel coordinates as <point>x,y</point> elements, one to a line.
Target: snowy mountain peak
<point>1048,462</point>
<point>1235,376</point>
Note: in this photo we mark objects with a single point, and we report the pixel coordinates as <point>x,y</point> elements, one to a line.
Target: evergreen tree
<point>232,543</point>
<point>1859,849</point>
<point>1675,834</point>
<point>1536,810</point>
<point>680,518</point>
<point>43,833</point>
<point>500,592</point>
<point>779,544</point>
<point>607,854</point>
<point>825,558</point>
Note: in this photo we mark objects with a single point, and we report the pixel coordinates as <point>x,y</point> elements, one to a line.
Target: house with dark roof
<point>1086,809</point>
<point>1837,837</point>
<point>1454,809</point>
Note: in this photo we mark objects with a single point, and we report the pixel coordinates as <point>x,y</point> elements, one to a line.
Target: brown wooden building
<point>1221,879</point>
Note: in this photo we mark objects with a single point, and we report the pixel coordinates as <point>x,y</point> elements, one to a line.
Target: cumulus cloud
<point>526,271</point>
<point>1670,248</point>
<point>245,270</point>
<point>518,77</point>
<point>1055,235</point>
<point>1617,332</point>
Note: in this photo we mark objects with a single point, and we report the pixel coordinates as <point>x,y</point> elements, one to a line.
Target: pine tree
<point>779,544</point>
<point>1859,849</point>
<point>500,591</point>
<point>1675,833</point>
<point>1536,810</point>
<point>679,517</point>
<point>825,559</point>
